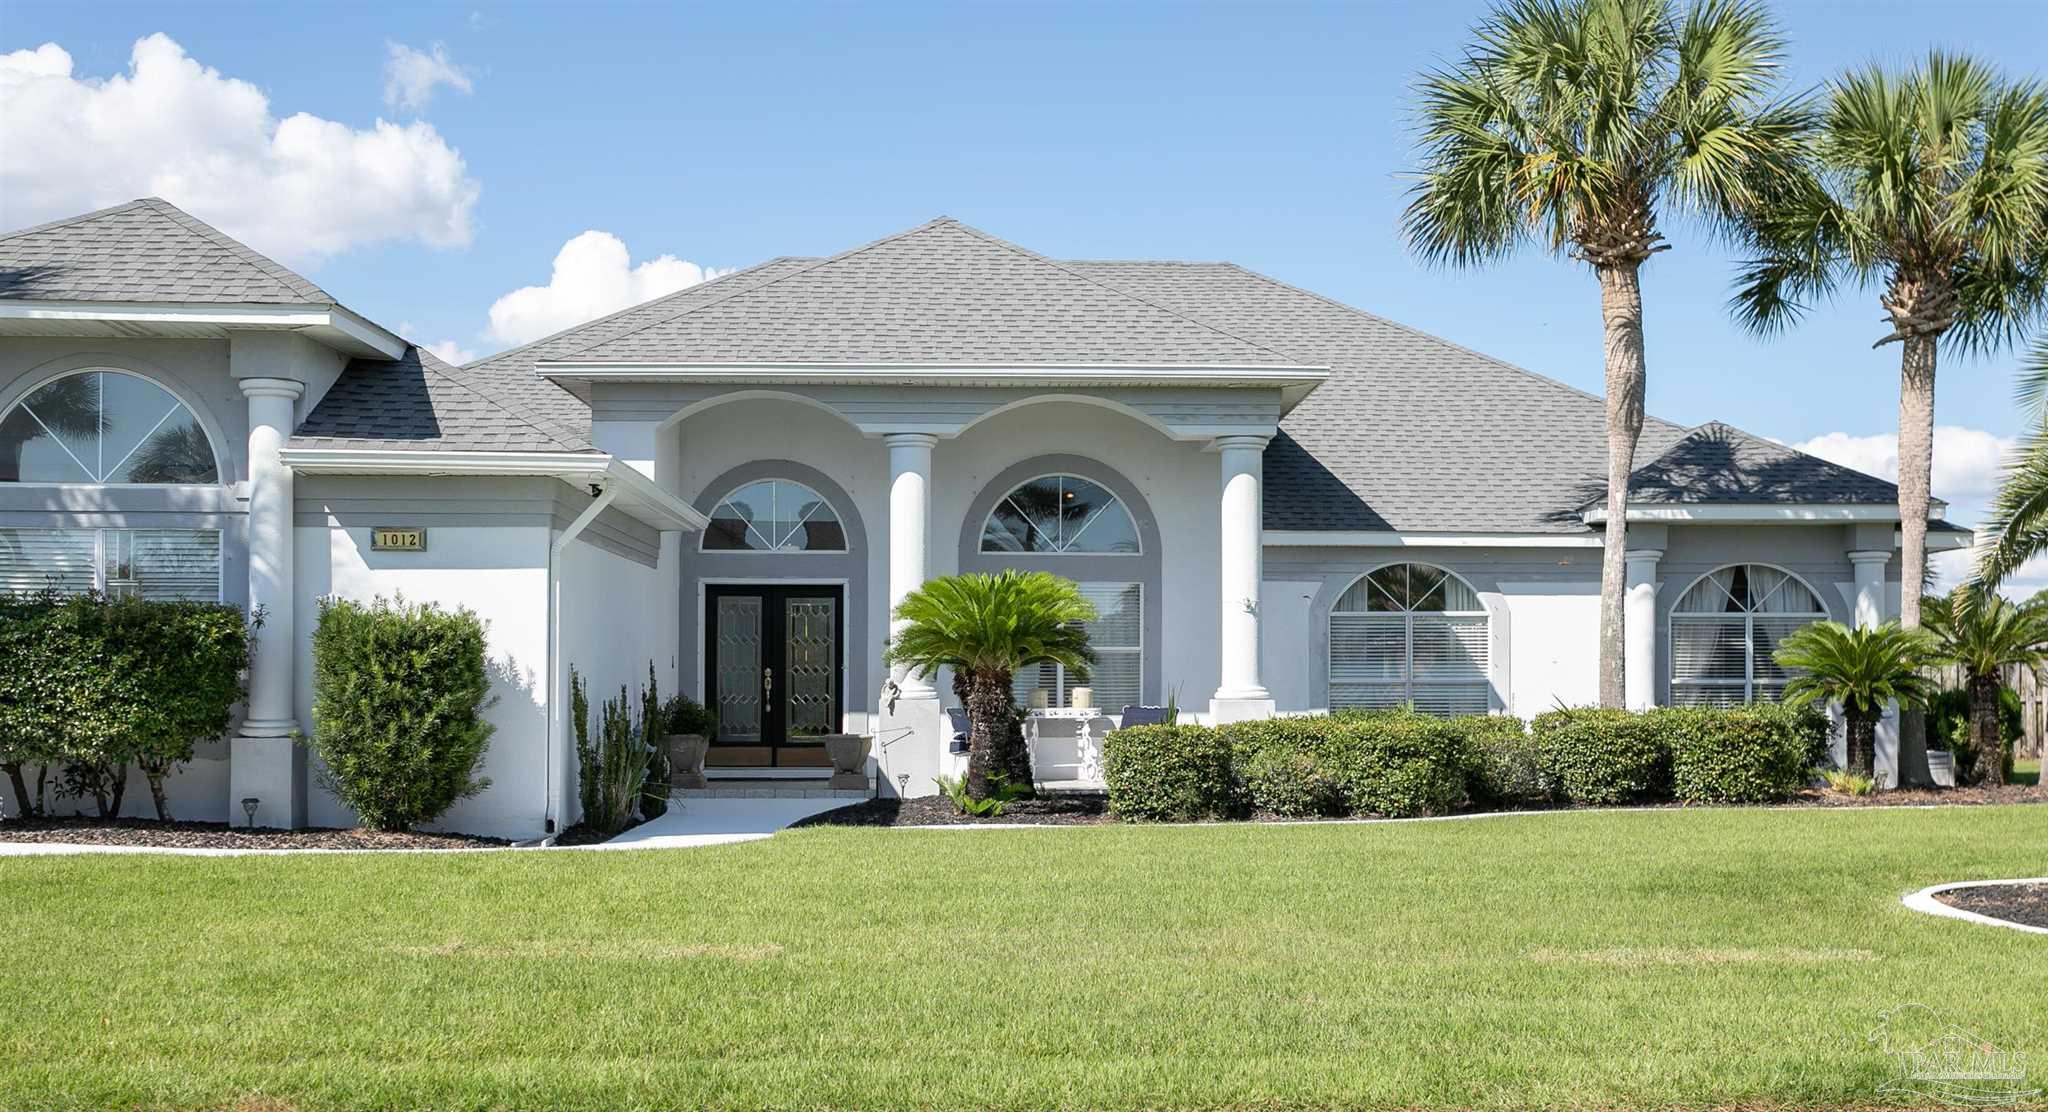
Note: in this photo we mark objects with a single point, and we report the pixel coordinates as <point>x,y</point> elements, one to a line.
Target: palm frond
<point>1863,668</point>
<point>2016,529</point>
<point>993,624</point>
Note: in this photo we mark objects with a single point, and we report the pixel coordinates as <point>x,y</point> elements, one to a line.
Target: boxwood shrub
<point>1603,757</point>
<point>1750,754</point>
<point>1395,763</point>
<point>1171,773</point>
<point>1502,769</point>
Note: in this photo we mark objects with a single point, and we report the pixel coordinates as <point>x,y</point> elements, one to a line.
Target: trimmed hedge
<point>1502,766</point>
<point>1171,773</point>
<point>1603,757</point>
<point>1752,754</point>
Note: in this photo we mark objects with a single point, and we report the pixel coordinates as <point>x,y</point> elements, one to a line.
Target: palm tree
<point>1984,634</point>
<point>1573,124</point>
<point>1862,669</point>
<point>2017,529</point>
<point>1931,186</point>
<point>985,627</point>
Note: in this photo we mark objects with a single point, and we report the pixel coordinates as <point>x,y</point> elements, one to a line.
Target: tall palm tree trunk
<point>1984,729</point>
<point>1916,465</point>
<point>988,722</point>
<point>1621,311</point>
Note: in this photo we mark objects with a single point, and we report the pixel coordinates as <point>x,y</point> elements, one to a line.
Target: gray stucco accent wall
<point>1142,567</point>
<point>850,568</point>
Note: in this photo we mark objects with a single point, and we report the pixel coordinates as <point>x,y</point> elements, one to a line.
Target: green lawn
<point>1655,959</point>
<point>2026,770</point>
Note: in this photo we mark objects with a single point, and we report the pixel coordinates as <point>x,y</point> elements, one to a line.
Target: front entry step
<point>781,788</point>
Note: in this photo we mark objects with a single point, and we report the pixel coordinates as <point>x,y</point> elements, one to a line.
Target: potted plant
<point>690,730</point>
<point>849,754</point>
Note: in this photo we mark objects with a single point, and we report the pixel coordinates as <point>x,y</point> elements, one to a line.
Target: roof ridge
<point>453,375</point>
<point>805,269</point>
<point>1064,269</point>
<point>1454,346</point>
<point>66,221</point>
<point>292,281</point>
<point>635,307</point>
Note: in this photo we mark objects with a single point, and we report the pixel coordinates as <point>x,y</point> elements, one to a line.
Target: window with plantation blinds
<point>1727,627</point>
<point>168,564</point>
<point>1116,635</point>
<point>1410,634</point>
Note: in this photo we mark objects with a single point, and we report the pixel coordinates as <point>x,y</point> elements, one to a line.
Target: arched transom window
<point>1725,628</point>
<point>103,427</point>
<point>1058,515</point>
<point>107,427</point>
<point>774,515</point>
<point>1410,634</point>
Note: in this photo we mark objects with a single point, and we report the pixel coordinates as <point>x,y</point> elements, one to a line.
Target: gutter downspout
<point>558,672</point>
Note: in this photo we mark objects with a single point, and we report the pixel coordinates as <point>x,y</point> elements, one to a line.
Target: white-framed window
<point>103,427</point>
<point>774,515</point>
<point>1118,637</point>
<point>1410,634</point>
<point>167,564</point>
<point>1058,515</point>
<point>1725,629</point>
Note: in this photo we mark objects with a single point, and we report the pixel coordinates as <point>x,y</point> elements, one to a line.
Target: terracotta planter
<point>686,760</point>
<point>849,753</point>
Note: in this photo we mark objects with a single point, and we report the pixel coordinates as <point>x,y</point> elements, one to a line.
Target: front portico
<point>914,467</point>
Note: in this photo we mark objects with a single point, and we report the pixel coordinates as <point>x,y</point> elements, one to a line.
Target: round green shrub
<point>1287,781</point>
<point>399,692</point>
<point>1748,754</point>
<point>1502,768</point>
<point>1396,763</point>
<point>1602,757</point>
<point>1171,773</point>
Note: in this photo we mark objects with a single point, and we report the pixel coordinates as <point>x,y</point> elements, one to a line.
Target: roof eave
<point>1753,513</point>
<point>637,495</point>
<point>339,328</point>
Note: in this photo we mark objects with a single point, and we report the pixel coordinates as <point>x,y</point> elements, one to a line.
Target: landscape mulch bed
<point>219,835</point>
<point>2015,903</point>
<point>1091,808</point>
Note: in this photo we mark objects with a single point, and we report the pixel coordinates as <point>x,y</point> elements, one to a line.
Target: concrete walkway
<point>714,822</point>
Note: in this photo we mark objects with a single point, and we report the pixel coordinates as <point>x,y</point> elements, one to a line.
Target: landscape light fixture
<point>249,806</point>
<point>902,783</point>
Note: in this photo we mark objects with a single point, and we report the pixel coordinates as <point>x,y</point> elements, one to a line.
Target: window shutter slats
<point>167,564</point>
<point>33,560</point>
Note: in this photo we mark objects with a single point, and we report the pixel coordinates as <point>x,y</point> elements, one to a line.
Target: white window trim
<point>1408,683</point>
<point>1748,616</point>
<point>1115,499</point>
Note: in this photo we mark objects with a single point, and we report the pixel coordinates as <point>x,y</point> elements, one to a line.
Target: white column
<point>265,762</point>
<point>910,522</point>
<point>1869,586</point>
<point>1241,695</point>
<point>1639,628</point>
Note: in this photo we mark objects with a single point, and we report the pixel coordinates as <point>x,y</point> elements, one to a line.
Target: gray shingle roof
<point>146,250</point>
<point>941,292</point>
<point>421,403</point>
<point>1721,463</point>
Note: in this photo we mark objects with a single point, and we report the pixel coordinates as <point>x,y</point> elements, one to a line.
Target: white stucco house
<point>1280,503</point>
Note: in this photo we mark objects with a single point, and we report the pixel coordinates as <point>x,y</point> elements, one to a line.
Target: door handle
<point>767,684</point>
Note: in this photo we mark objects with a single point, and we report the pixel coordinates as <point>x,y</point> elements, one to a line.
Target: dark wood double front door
<point>774,669</point>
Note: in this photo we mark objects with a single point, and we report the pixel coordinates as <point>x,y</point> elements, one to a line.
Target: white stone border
<point>1924,901</point>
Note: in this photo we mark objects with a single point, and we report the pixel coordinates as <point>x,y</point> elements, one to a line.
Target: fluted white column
<point>910,514</point>
<point>1870,567</point>
<point>1241,693</point>
<point>1639,628</point>
<point>264,757</point>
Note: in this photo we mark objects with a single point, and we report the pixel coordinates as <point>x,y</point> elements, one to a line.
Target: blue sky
<point>1272,135</point>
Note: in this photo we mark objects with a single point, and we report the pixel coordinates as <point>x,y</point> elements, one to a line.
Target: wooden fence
<point>2033,704</point>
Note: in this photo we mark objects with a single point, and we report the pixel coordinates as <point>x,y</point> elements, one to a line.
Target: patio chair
<point>1142,716</point>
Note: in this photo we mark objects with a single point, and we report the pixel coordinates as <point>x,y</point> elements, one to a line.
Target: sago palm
<point>1983,634</point>
<point>1932,188</point>
<point>2017,528</point>
<point>1861,669</point>
<point>985,627</point>
<point>1581,126</point>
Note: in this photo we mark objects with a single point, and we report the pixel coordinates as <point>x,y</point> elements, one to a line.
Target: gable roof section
<point>147,250</point>
<point>1409,432</point>
<point>939,293</point>
<point>1719,463</point>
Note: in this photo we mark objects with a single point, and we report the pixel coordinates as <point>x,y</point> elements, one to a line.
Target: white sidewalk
<point>712,822</point>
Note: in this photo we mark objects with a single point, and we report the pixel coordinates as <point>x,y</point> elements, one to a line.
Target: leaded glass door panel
<point>775,663</point>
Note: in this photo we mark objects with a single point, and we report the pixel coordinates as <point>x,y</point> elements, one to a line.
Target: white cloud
<point>1967,462</point>
<point>411,76</point>
<point>301,188</point>
<point>449,351</point>
<point>593,275</point>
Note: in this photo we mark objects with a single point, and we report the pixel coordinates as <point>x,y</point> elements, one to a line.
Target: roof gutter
<point>558,683</point>
<point>1766,513</point>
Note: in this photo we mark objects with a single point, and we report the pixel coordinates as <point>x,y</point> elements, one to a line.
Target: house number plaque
<point>386,538</point>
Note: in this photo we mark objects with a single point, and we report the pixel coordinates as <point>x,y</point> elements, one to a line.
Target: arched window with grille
<point>774,515</point>
<point>104,427</point>
<point>1410,634</point>
<point>1726,627</point>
